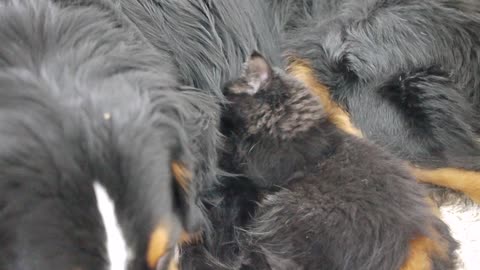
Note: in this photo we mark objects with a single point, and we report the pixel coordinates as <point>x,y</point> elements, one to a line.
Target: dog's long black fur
<point>84,97</point>
<point>104,80</point>
<point>392,77</point>
<point>209,48</point>
<point>211,44</point>
<point>406,71</point>
<point>156,45</point>
<point>418,103</point>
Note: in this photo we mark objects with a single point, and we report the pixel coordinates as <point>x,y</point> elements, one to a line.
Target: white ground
<point>465,227</point>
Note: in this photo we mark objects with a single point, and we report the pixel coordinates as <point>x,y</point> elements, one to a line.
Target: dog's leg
<point>467,182</point>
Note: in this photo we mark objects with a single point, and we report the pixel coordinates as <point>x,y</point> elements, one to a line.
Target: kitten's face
<point>268,102</point>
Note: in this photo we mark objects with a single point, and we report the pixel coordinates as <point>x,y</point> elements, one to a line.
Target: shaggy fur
<point>406,71</point>
<point>85,97</point>
<point>327,206</point>
<point>209,46</point>
<point>96,84</point>
<point>91,90</point>
<point>372,62</point>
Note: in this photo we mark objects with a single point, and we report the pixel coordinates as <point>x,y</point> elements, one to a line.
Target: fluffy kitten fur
<point>334,201</point>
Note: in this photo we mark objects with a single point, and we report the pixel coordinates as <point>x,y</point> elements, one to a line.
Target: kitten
<point>335,201</point>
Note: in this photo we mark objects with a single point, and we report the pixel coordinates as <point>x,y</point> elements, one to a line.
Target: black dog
<point>209,45</point>
<point>334,201</point>
<point>85,97</point>
<point>151,43</point>
<point>109,104</point>
<point>409,87</point>
<point>405,73</point>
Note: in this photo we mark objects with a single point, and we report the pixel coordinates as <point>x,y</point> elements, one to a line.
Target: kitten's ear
<point>257,74</point>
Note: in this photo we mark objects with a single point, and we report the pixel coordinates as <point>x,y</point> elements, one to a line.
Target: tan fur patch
<point>158,245</point>
<point>423,249</point>
<point>302,71</point>
<point>192,238</point>
<point>173,265</point>
<point>181,174</point>
<point>434,207</point>
<point>464,181</point>
<point>418,258</point>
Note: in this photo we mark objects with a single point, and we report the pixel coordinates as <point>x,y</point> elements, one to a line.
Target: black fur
<point>125,60</point>
<point>338,202</point>
<point>360,49</point>
<point>406,71</point>
<point>337,38</point>
<point>85,97</point>
<point>208,40</point>
<point>160,45</point>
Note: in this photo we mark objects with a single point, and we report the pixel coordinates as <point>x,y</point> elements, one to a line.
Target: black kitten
<point>335,201</point>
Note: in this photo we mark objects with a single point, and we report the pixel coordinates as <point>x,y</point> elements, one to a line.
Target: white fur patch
<point>117,249</point>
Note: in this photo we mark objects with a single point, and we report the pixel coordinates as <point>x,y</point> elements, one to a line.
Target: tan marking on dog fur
<point>173,265</point>
<point>181,174</point>
<point>158,245</point>
<point>434,207</point>
<point>464,181</point>
<point>304,73</point>
<point>190,238</point>
<point>418,257</point>
<point>423,249</point>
